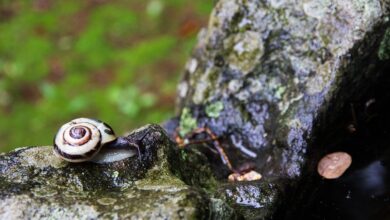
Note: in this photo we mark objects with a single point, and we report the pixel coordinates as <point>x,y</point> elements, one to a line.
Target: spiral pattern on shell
<point>81,139</point>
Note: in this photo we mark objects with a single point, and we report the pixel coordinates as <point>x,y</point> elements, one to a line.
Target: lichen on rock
<point>274,63</point>
<point>243,51</point>
<point>278,67</point>
<point>384,49</point>
<point>34,184</point>
<point>213,109</point>
<point>254,200</point>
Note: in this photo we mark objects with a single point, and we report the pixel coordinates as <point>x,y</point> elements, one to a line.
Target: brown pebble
<point>333,165</point>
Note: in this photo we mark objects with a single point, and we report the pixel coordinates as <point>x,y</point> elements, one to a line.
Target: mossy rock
<point>265,74</point>
<point>35,184</point>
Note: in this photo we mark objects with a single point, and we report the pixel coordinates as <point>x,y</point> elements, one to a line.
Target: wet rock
<point>274,67</point>
<point>384,49</point>
<point>365,184</point>
<point>276,71</point>
<point>254,200</point>
<point>36,184</point>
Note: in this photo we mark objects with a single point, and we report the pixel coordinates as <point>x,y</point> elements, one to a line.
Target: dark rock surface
<point>34,184</point>
<point>266,76</point>
<point>273,67</point>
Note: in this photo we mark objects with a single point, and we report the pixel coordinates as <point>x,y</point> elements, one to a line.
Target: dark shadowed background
<point>118,61</point>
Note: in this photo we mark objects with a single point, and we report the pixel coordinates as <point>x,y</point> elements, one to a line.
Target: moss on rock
<point>384,49</point>
<point>35,184</point>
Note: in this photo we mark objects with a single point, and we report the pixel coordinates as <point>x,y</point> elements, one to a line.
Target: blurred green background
<point>119,61</point>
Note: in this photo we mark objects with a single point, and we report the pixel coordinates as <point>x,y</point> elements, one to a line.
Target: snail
<point>85,139</point>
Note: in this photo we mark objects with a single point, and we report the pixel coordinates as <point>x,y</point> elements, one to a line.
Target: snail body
<point>85,139</point>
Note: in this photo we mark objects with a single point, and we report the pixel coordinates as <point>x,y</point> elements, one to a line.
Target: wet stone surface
<point>276,67</point>
<point>36,184</point>
<point>363,191</point>
<point>266,76</point>
<point>253,200</point>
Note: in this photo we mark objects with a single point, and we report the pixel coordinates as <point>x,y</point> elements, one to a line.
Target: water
<point>363,192</point>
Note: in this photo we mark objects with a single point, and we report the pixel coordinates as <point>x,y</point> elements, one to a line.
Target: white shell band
<point>96,135</point>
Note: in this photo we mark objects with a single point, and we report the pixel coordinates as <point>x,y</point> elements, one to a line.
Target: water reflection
<point>362,194</point>
<point>370,180</point>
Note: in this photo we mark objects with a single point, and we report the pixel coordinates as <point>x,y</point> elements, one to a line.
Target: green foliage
<point>118,61</point>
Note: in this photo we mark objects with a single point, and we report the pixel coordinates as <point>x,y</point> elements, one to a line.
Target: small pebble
<point>106,201</point>
<point>250,176</point>
<point>333,165</point>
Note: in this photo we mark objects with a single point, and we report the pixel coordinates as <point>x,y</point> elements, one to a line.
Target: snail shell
<point>81,139</point>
